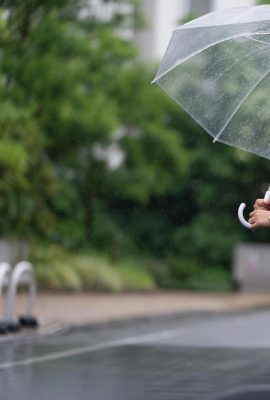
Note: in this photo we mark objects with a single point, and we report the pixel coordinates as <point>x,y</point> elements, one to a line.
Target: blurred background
<point>106,184</point>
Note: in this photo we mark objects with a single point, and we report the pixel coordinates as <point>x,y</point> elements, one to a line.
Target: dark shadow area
<point>251,395</point>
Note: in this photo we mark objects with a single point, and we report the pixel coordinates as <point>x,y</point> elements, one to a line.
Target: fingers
<point>252,217</point>
<point>254,227</point>
<point>259,218</point>
<point>257,215</point>
<point>252,220</point>
<point>260,204</point>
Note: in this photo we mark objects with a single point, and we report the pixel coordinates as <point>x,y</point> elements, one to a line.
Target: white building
<point>162,16</point>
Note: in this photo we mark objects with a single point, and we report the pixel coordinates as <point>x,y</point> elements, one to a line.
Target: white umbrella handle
<point>243,206</point>
<point>241,217</point>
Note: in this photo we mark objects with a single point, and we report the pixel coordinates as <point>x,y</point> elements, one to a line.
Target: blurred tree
<point>44,59</point>
<point>84,96</point>
<point>154,159</point>
<point>90,152</point>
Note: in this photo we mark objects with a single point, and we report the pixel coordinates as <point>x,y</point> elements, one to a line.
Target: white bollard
<point>23,275</point>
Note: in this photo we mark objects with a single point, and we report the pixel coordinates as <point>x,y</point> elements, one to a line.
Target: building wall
<point>168,18</point>
<point>163,16</point>
<point>220,4</point>
<point>200,7</point>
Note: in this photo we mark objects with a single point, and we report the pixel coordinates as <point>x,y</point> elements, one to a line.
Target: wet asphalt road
<point>185,357</point>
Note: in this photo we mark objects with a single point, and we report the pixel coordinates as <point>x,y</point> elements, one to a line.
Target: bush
<point>58,269</point>
<point>186,274</point>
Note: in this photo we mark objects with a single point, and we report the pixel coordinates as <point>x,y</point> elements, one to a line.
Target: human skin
<point>259,218</point>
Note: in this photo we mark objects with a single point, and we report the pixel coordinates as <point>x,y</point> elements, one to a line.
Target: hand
<point>259,218</point>
<point>261,204</point>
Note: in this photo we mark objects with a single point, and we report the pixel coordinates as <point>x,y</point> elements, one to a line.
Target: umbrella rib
<point>256,40</point>
<point>177,63</point>
<point>239,105</point>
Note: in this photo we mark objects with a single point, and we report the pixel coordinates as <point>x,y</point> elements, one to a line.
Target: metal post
<point>5,273</point>
<point>23,274</point>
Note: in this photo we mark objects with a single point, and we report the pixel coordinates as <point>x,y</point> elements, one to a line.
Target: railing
<point>5,274</point>
<point>22,275</point>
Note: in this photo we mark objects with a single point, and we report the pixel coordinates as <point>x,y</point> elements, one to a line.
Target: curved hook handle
<point>243,206</point>
<point>241,217</point>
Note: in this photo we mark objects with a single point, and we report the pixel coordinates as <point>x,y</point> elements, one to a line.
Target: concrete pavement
<point>92,308</point>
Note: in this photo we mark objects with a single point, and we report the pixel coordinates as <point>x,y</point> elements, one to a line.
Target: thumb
<point>267,202</point>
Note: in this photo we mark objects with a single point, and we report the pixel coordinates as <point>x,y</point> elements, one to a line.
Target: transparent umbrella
<point>217,68</point>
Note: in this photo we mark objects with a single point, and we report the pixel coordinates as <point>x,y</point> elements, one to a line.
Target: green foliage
<point>72,94</point>
<point>58,269</point>
<point>188,274</point>
<point>69,86</point>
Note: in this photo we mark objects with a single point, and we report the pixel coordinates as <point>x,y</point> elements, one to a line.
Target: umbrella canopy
<point>217,69</point>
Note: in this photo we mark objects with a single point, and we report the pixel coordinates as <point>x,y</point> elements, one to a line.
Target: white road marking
<point>149,337</point>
